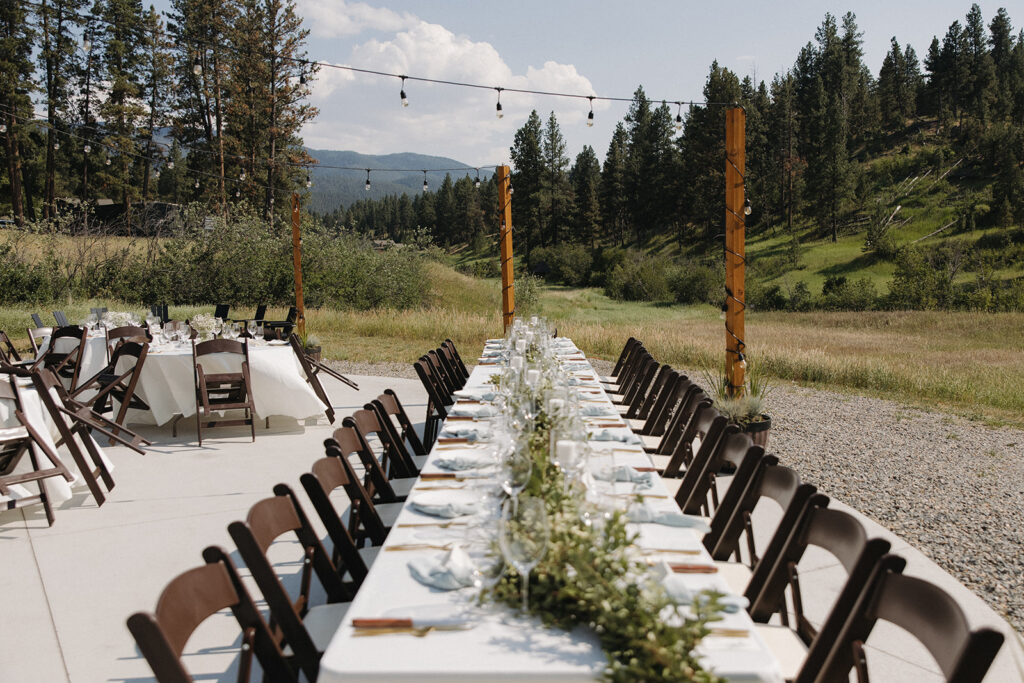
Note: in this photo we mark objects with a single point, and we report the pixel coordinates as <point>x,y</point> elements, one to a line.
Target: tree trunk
<point>14,170</point>
<point>220,133</point>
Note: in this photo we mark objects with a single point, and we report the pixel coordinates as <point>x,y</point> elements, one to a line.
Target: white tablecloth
<point>502,647</point>
<point>167,384</point>
<point>39,418</point>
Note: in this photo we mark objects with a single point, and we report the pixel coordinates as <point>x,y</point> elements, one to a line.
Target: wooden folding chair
<point>37,321</point>
<point>390,475</point>
<point>8,354</point>
<point>352,561</point>
<point>919,607</point>
<point>221,311</point>
<point>281,328</point>
<point>305,629</point>
<point>387,406</point>
<point>160,311</point>
<point>437,401</point>
<point>697,427</point>
<point>448,365</point>
<point>19,439</point>
<point>62,320</point>
<point>189,600</point>
<point>311,371</point>
<point>36,336</point>
<point>65,364</point>
<point>222,390</point>
<point>460,364</point>
<point>117,382</point>
<point>367,520</point>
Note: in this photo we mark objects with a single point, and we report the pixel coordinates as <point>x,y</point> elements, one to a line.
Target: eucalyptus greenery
<point>588,577</point>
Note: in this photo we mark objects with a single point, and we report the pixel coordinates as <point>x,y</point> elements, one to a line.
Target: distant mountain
<point>334,187</point>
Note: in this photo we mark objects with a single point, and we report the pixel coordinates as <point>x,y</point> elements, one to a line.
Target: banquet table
<point>279,385</point>
<point>57,489</point>
<point>502,645</point>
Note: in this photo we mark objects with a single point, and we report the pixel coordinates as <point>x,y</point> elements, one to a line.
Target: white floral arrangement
<point>205,324</point>
<point>112,319</point>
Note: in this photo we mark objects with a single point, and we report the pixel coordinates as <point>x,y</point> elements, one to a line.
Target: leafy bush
<point>839,295</point>
<point>527,293</point>
<point>568,264</point>
<point>694,283</point>
<point>640,277</point>
<point>764,297</point>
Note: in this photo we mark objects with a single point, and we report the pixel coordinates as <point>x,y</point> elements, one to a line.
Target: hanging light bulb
<point>106,162</point>
<point>367,180</point>
<point>405,100</point>
<point>238,193</point>
<point>197,67</point>
<point>156,174</point>
<point>170,165</point>
<point>425,186</point>
<point>87,149</point>
<point>309,182</point>
<point>56,145</point>
<point>242,176</point>
<point>87,44</point>
<point>590,116</point>
<point>741,361</point>
<point>3,127</point>
<point>746,207</point>
<point>679,116</point>
<point>196,184</point>
<point>497,109</point>
<point>477,183</point>
<point>510,190</point>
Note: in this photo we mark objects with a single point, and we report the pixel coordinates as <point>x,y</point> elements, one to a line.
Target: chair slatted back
<point>326,477</point>
<point>37,321</point>
<point>627,348</point>
<point>437,401</point>
<point>66,364</point>
<point>647,400</point>
<point>8,353</point>
<point>450,367</point>
<point>697,429</point>
<point>189,600</point>
<point>311,375</point>
<point>364,521</point>
<point>62,320</point>
<point>450,345</point>
<point>668,398</point>
<point>366,424</point>
<point>388,405</point>
<point>222,390</point>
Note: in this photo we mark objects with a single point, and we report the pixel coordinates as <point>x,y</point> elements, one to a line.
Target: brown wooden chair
<point>389,477</point>
<point>36,336</point>
<point>117,382</point>
<point>37,321</point>
<point>281,329</point>
<point>691,397</point>
<point>310,370</point>
<point>624,355</point>
<point>62,320</point>
<point>15,442</point>
<point>388,406</point>
<point>804,646</point>
<point>654,416</point>
<point>627,375</point>
<point>66,364</point>
<point>8,354</point>
<point>353,562</point>
<point>302,630</point>
<point>924,610</point>
<point>366,519</point>
<point>441,376</point>
<point>437,401</point>
<point>221,311</point>
<point>697,428</point>
<point>315,367</point>
<point>644,401</point>
<point>446,363</point>
<point>460,364</point>
<point>127,333</point>
<point>222,390</point>
<point>160,311</point>
<point>74,434</point>
<point>189,600</point>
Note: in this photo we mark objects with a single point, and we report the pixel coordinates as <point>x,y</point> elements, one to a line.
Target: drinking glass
<point>258,333</point>
<point>218,326</point>
<point>523,538</point>
<point>251,328</point>
<point>516,470</point>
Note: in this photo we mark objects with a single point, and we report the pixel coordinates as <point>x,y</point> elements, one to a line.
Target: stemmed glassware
<point>523,537</point>
<point>516,471</point>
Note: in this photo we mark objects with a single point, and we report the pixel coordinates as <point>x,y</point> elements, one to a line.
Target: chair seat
<point>322,622</point>
<point>789,651</point>
<point>13,434</point>
<point>403,486</point>
<point>635,424</point>
<point>660,461</point>
<point>388,512</point>
<point>623,408</point>
<point>651,442</point>
<point>420,460</point>
<point>735,574</point>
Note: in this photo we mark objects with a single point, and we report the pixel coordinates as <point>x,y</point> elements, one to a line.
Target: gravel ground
<point>951,487</point>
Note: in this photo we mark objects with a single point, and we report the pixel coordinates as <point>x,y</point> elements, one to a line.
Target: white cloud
<point>334,18</point>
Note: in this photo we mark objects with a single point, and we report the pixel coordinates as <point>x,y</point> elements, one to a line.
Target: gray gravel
<point>950,487</point>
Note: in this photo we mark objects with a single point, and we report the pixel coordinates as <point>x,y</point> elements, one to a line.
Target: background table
<point>503,647</point>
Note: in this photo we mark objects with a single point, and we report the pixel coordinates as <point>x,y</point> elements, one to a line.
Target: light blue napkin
<point>682,594</point>
<point>451,571</point>
<point>462,462</point>
<point>645,514</point>
<point>592,410</point>
<point>490,353</point>
<point>624,437</point>
<point>472,433</point>
<point>473,411</point>
<point>643,480</point>
<point>474,395</point>
<point>449,509</point>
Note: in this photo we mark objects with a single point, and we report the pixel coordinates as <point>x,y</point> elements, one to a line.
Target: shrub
<point>764,297</point>
<point>527,293</point>
<point>694,283</point>
<point>485,268</point>
<point>800,299</point>
<point>640,277</point>
<point>568,264</point>
<point>839,295</point>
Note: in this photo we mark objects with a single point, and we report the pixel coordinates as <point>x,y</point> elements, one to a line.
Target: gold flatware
<point>442,525</point>
<point>417,546</point>
<point>634,495</point>
<point>730,632</point>
<point>669,551</point>
<point>440,488</point>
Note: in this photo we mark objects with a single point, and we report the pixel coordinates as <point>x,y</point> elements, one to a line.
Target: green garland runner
<point>588,577</point>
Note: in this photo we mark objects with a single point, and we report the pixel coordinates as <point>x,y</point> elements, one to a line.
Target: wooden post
<point>508,292</point>
<point>300,323</point>
<point>735,246</point>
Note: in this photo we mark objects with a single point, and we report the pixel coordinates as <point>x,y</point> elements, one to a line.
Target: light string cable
<point>742,260</point>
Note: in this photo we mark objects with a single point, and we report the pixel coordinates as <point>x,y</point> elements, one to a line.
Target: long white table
<point>503,646</point>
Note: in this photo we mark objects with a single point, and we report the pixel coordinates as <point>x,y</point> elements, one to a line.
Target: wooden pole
<point>508,292</point>
<point>300,323</point>
<point>735,246</point>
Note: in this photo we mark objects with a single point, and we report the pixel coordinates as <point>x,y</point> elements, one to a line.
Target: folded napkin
<point>626,473</point>
<point>470,433</point>
<point>647,514</point>
<point>598,411</point>
<point>471,395</point>
<point>576,382</point>
<point>624,437</point>
<point>472,411</point>
<point>681,593</point>
<point>448,572</point>
<point>441,508</point>
<point>460,462</point>
<point>490,353</point>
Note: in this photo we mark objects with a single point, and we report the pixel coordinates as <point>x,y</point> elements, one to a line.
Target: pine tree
<point>613,186</point>
<point>156,84</point>
<point>785,178</point>
<point>893,88</point>
<point>980,88</point>
<point>527,178</point>
<point>1001,43</point>
<point>585,177</point>
<point>556,192</point>
<point>16,36</point>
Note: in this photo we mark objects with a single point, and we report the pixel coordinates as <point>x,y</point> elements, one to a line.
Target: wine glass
<point>258,333</point>
<point>250,326</point>
<point>516,471</point>
<point>218,326</point>
<point>523,538</point>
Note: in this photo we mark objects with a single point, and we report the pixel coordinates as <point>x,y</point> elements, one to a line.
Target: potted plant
<point>310,345</point>
<point>745,408</point>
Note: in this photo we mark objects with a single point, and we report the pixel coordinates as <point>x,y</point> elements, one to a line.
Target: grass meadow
<point>968,363</point>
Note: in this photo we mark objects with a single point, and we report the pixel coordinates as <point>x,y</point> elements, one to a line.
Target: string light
<point>197,67</point>
<point>106,162</point>
<point>367,180</point>
<point>87,148</point>
<point>477,183</point>
<point>497,108</point>
<point>56,145</point>
<point>170,165</point>
<point>425,186</point>
<point>746,207</point>
<point>87,45</point>
<point>242,176</point>
<point>590,116</point>
<point>196,185</point>
<point>510,190</point>
<point>309,181</point>
<point>679,116</point>
<point>3,127</point>
<point>405,100</point>
<point>156,174</point>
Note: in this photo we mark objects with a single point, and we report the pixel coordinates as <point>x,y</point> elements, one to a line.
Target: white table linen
<point>502,646</point>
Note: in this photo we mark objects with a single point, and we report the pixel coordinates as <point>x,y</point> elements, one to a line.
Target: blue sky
<point>597,47</point>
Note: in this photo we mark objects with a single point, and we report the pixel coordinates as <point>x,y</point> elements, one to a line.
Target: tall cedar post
<point>297,262</point>
<point>735,245</point>
<point>508,293</point>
